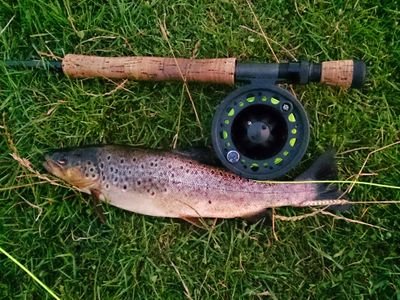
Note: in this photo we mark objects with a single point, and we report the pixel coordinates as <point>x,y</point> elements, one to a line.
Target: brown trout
<point>166,184</point>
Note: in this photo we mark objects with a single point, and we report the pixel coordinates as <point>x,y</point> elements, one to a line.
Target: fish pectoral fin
<point>263,214</point>
<point>198,222</point>
<point>96,195</point>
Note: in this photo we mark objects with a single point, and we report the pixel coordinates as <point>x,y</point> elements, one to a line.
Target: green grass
<point>133,256</point>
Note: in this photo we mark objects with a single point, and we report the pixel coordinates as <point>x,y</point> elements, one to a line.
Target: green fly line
<point>380,185</point>
<point>14,260</point>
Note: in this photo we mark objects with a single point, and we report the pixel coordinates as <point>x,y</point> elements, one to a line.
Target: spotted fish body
<point>166,184</point>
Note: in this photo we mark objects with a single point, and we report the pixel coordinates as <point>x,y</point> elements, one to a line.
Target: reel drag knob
<point>260,132</point>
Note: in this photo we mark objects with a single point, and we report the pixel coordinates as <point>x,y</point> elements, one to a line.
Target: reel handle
<point>147,68</point>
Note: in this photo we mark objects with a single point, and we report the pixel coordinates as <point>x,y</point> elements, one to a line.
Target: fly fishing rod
<point>260,130</point>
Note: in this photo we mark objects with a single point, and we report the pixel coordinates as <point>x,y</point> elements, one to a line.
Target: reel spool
<point>260,132</point>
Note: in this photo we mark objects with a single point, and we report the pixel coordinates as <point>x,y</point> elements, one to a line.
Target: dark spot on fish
<point>233,177</point>
<point>209,201</point>
<point>172,175</point>
<point>187,170</point>
<point>148,190</point>
<point>165,189</point>
<point>91,169</point>
<point>108,157</point>
<point>169,166</point>
<point>122,161</point>
<point>107,186</point>
<point>130,172</point>
<point>152,193</point>
<point>142,166</point>
<point>111,169</point>
<point>101,166</point>
<point>151,164</point>
<point>138,182</point>
<point>89,162</point>
<point>150,180</point>
<point>156,165</point>
<point>124,187</point>
<point>212,172</point>
<point>161,158</point>
<point>93,175</point>
<point>103,178</point>
<point>134,159</point>
<point>116,171</point>
<point>86,175</point>
<point>181,167</point>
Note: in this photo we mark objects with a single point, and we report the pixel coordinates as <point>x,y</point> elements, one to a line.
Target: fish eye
<point>62,162</point>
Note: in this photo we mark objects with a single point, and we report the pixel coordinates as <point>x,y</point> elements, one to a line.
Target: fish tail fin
<point>325,168</point>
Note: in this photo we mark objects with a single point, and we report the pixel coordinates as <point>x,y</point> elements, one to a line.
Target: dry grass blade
<point>28,165</point>
<point>262,31</point>
<point>288,52</point>
<point>350,220</point>
<point>353,150</point>
<point>187,292</point>
<point>348,190</point>
<point>14,187</point>
<point>119,86</point>
<point>324,212</point>
<point>23,162</point>
<point>297,218</point>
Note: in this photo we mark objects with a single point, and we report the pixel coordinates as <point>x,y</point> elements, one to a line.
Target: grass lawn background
<point>57,235</point>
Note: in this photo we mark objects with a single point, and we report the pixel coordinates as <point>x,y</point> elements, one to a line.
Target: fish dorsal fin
<point>324,168</point>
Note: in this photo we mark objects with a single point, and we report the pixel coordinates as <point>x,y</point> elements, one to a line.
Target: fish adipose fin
<point>203,155</point>
<point>325,168</point>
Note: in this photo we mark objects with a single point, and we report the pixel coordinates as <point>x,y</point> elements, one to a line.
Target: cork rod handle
<point>344,73</point>
<point>221,70</point>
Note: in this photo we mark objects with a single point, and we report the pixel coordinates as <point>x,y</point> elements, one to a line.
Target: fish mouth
<point>51,166</point>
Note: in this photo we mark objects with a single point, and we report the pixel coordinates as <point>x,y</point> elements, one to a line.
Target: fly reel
<point>260,132</point>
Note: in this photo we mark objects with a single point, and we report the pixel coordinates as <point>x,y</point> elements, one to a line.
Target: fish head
<point>78,167</point>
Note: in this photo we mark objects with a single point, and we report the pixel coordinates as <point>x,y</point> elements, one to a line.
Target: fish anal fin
<point>96,197</point>
<point>254,218</point>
